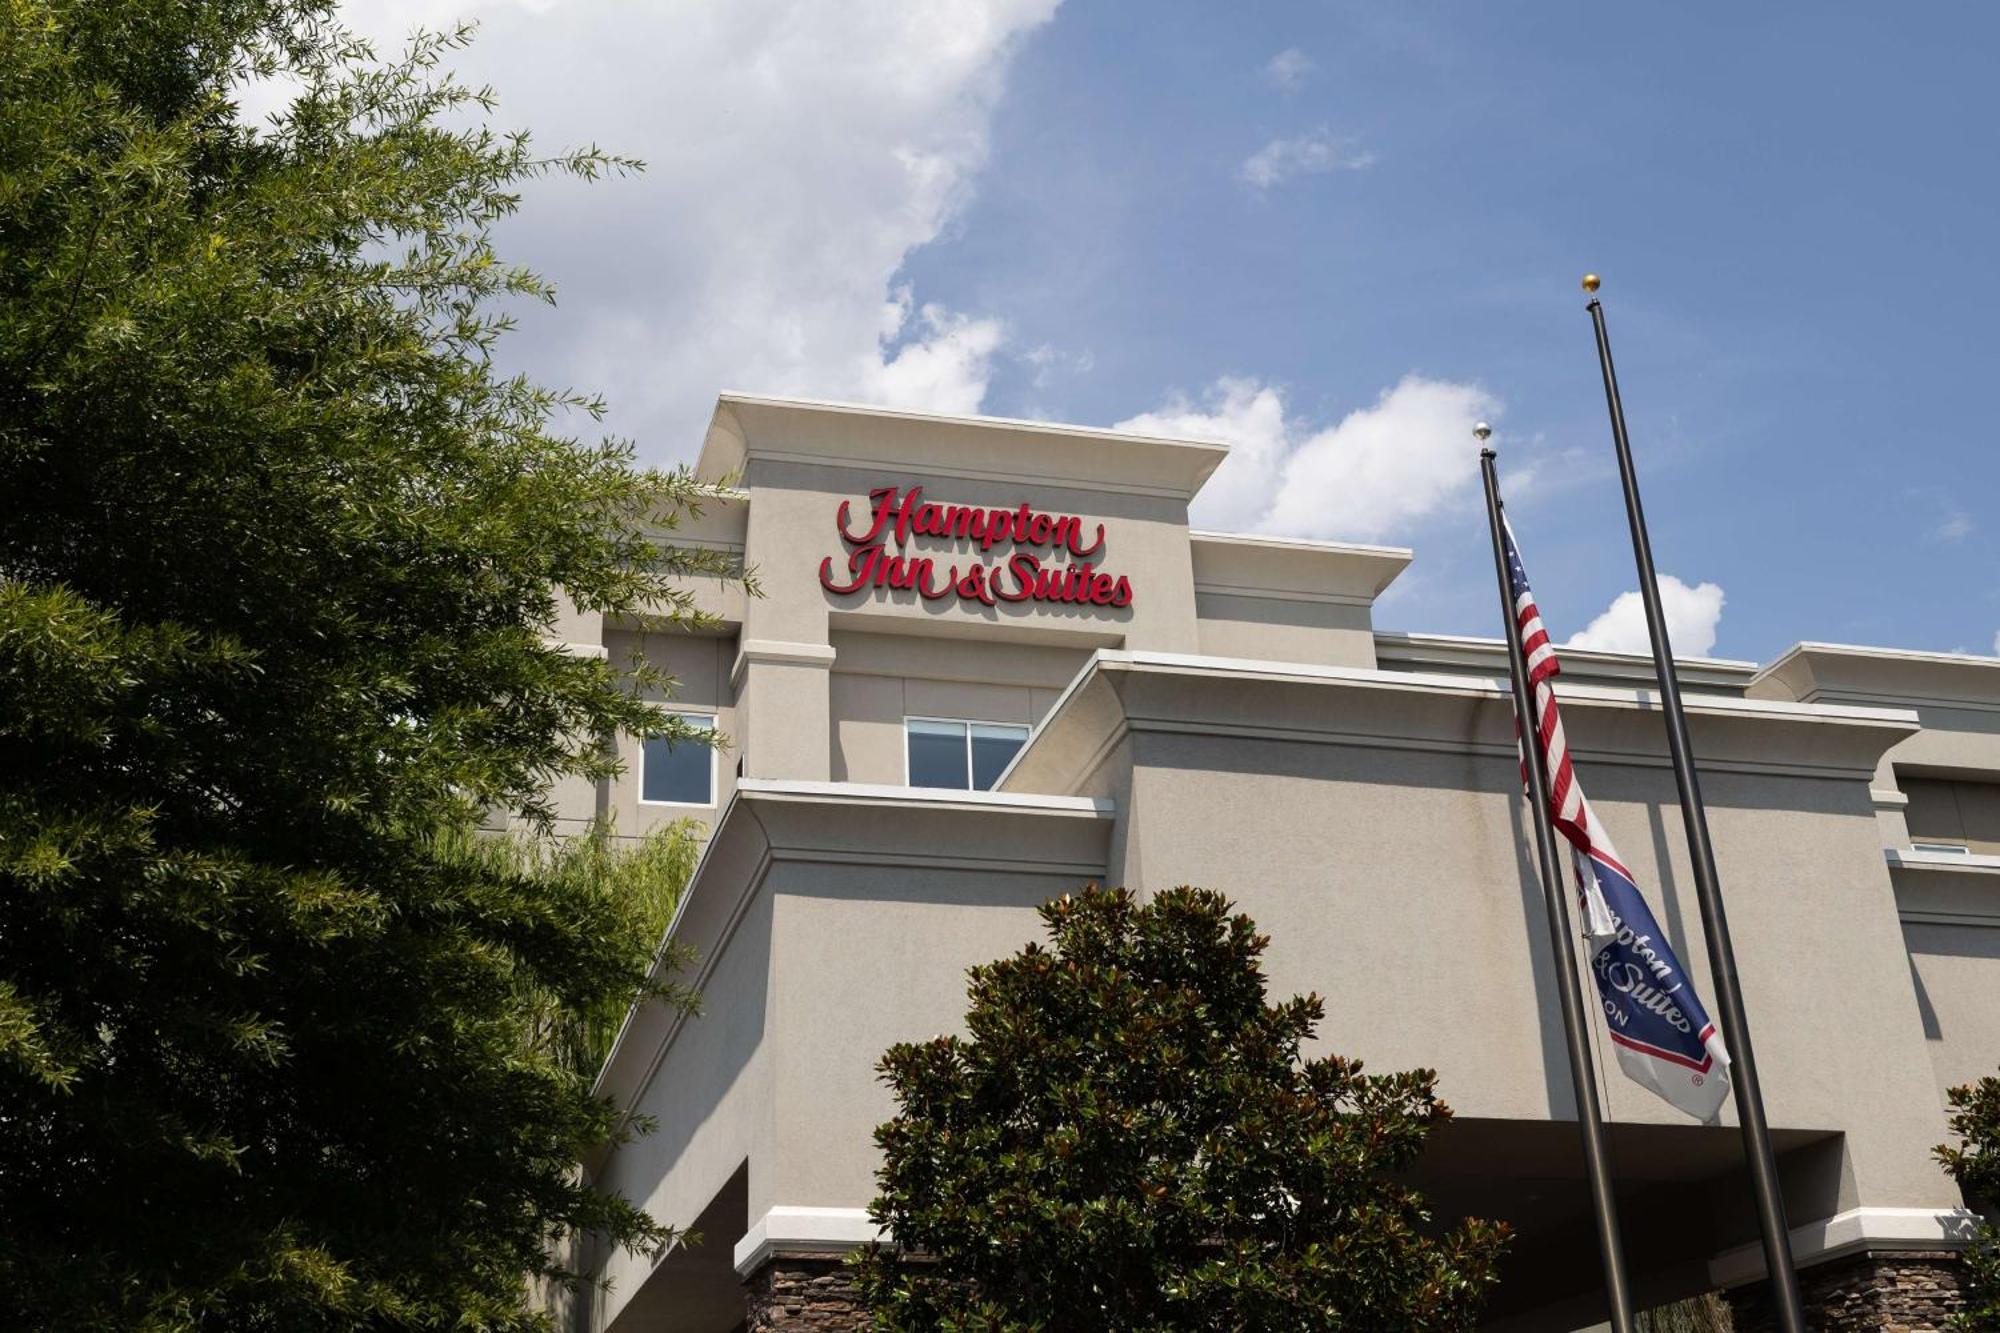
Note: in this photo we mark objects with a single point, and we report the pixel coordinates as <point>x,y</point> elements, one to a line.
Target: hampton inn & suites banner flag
<point>1664,1037</point>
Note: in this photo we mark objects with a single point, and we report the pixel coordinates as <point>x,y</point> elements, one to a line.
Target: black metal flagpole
<point>1708,887</point>
<point>1582,1068</point>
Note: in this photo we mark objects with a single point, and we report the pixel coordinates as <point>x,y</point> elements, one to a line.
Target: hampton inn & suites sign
<point>1009,554</point>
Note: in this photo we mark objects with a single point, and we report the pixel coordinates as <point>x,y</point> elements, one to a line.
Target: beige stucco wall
<point>813,960</point>
<point>1950,909</point>
<point>1285,630</point>
<point>1289,601</point>
<point>1943,784</point>
<point>1437,959</point>
<point>1371,824</point>
<point>879,679</point>
<point>871,957</point>
<point>720,526</point>
<point>1954,739</point>
<point>1956,968</point>
<point>1374,830</point>
<point>575,626</point>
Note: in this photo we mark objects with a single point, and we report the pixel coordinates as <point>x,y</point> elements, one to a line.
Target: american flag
<point>1664,1038</point>
<point>1567,808</point>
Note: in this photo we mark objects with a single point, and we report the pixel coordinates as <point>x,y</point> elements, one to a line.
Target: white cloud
<point>1249,417</point>
<point>1692,615</point>
<point>1955,526</point>
<point>1289,69</point>
<point>1311,154</point>
<point>797,154</point>
<point>1047,363</point>
<point>944,370</point>
<point>1368,476</point>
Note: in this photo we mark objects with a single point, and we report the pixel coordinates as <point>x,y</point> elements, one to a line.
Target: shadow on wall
<point>1541,953</point>
<point>722,1040</point>
<point>1932,1032</point>
<point>694,1286</point>
<point>1677,1186</point>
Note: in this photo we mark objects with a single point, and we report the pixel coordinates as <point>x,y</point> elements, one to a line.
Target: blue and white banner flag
<point>1664,1037</point>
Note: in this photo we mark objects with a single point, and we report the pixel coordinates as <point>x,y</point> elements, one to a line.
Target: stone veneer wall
<point>1872,1292</point>
<point>1900,1291</point>
<point>802,1294</point>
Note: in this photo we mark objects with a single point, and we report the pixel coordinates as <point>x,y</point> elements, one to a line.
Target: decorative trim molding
<point>1068,871</point>
<point>1923,917</point>
<point>1217,537</point>
<point>1910,678</point>
<point>1423,711</point>
<point>748,428</point>
<point>1890,654</point>
<point>819,655</point>
<point>1701,675</point>
<point>1719,705</point>
<point>930,798</point>
<point>1497,750</point>
<point>1202,589</point>
<point>820,1232</point>
<point>1851,1232</point>
<point>1895,699</point>
<point>832,1232</point>
<point>1968,863</point>
<point>874,467</point>
<point>1887,800</point>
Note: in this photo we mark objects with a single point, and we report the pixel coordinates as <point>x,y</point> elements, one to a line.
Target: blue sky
<point>1794,209</point>
<point>1260,221</point>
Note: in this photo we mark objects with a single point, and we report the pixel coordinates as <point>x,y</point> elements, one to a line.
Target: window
<point>1955,849</point>
<point>964,756</point>
<point>681,773</point>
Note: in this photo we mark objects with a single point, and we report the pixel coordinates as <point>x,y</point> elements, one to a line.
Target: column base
<point>1901,1291</point>
<point>803,1294</point>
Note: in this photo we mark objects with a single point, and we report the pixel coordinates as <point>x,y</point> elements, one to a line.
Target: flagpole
<point>1569,990</point>
<point>1708,888</point>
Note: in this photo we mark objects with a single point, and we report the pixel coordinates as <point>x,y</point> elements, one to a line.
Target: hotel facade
<point>991,662</point>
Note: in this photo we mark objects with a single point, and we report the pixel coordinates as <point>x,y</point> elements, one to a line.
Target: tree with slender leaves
<point>1129,1137</point>
<point>1974,1162</point>
<point>281,560</point>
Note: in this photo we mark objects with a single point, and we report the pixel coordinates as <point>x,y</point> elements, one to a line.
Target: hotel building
<point>991,662</point>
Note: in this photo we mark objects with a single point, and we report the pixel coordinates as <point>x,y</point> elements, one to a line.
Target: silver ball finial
<point>1483,431</point>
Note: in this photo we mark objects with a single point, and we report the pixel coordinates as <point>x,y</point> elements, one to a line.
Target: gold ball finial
<point>1591,282</point>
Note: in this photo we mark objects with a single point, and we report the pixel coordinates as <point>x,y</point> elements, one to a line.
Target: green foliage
<point>280,1046</point>
<point>636,883</point>
<point>1130,1138</point>
<point>1975,1165</point>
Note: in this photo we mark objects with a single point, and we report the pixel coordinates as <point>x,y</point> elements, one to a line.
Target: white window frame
<point>1026,730</point>
<point>1941,848</point>
<point>714,792</point>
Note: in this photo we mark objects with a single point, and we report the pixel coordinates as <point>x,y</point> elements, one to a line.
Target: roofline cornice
<point>1908,677</point>
<point>750,427</point>
<point>1119,692</point>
